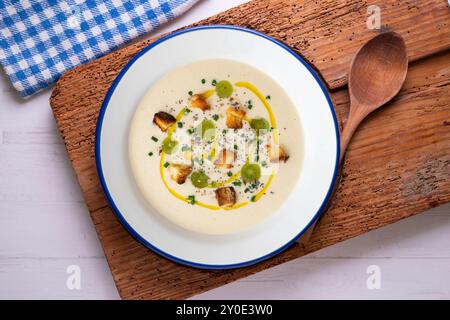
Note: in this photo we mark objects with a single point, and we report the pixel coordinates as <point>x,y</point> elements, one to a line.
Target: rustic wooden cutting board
<point>398,163</point>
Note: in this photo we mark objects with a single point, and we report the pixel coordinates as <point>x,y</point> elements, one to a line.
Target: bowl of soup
<point>217,147</point>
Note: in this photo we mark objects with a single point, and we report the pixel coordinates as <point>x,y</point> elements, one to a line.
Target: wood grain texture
<point>397,165</point>
<point>327,32</point>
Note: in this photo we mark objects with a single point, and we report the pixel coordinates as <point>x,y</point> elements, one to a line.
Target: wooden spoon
<point>377,73</point>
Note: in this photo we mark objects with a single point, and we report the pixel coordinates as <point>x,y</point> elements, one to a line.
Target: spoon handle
<point>356,115</point>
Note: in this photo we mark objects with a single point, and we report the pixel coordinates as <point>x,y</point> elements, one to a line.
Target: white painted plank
<point>33,136</point>
<point>423,235</point>
<point>46,279</point>
<point>37,172</point>
<point>341,278</point>
<point>50,230</point>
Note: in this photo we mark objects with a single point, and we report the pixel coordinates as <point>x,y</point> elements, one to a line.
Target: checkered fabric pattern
<point>41,39</point>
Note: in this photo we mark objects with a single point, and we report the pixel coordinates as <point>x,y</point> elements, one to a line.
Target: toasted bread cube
<point>164,120</point>
<point>226,197</point>
<point>179,172</point>
<point>198,101</point>
<point>226,159</point>
<point>235,117</point>
<point>277,155</point>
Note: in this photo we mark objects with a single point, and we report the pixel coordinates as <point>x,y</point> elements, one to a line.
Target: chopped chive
<point>237,183</point>
<point>190,93</point>
<point>191,199</point>
<point>187,110</point>
<point>268,97</point>
<point>229,173</point>
<point>254,185</point>
<point>180,124</point>
<point>215,117</point>
<point>246,190</point>
<point>214,82</point>
<point>203,81</point>
<point>190,130</point>
<point>253,199</point>
<point>150,154</point>
<point>166,164</point>
<point>235,147</point>
<point>154,138</point>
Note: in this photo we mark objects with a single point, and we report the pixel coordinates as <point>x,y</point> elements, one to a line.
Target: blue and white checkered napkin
<point>40,39</point>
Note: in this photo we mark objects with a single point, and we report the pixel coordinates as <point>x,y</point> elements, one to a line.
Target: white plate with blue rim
<point>305,200</point>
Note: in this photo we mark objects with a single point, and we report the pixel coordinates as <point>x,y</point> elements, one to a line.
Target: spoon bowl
<point>376,75</point>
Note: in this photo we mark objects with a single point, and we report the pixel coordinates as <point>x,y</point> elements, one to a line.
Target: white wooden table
<point>45,227</point>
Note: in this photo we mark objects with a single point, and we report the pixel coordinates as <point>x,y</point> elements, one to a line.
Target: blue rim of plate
<point>119,215</point>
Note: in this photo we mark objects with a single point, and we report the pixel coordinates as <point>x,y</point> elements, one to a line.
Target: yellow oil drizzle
<point>176,194</point>
<point>237,206</point>
<point>263,190</point>
<point>260,96</point>
<point>207,94</point>
<point>229,180</point>
<point>179,116</point>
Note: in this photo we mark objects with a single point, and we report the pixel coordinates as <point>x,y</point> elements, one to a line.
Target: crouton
<point>277,155</point>
<point>226,159</point>
<point>164,120</point>
<point>226,197</point>
<point>198,101</point>
<point>235,117</point>
<point>179,172</point>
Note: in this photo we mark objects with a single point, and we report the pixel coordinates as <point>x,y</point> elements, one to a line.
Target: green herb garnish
<point>203,81</point>
<point>224,89</point>
<point>215,117</point>
<point>191,199</point>
<point>180,124</point>
<point>214,82</point>
<point>229,173</point>
<point>154,138</point>
<point>169,145</point>
<point>251,172</point>
<point>199,179</point>
<point>190,93</point>
<point>237,183</point>
<point>166,165</point>
<point>150,154</point>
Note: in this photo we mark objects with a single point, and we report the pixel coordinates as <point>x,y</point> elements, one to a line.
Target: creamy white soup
<point>216,146</point>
